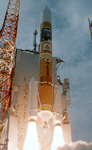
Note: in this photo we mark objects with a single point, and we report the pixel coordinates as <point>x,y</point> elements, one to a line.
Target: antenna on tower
<point>34,44</point>
<point>34,40</point>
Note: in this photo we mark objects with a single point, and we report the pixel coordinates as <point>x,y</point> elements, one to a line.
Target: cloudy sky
<point>72,43</point>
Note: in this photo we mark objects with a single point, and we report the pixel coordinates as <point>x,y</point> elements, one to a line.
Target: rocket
<point>47,105</point>
<point>44,97</point>
<point>45,86</point>
<point>46,89</point>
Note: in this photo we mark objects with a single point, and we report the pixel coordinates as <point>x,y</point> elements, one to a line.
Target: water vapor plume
<point>79,145</point>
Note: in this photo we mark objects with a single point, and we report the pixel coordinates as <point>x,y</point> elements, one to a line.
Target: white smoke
<point>80,145</point>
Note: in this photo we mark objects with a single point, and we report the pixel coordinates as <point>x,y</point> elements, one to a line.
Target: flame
<point>58,139</point>
<point>31,141</point>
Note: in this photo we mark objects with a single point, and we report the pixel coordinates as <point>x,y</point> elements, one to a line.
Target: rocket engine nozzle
<point>45,117</point>
<point>45,124</point>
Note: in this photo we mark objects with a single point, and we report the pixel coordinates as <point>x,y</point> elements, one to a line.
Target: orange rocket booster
<point>46,89</point>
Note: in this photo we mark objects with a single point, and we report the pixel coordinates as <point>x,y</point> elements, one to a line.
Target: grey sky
<point>71,42</point>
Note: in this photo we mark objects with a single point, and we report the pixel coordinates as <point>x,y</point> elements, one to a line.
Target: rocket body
<point>46,102</point>
<point>46,89</point>
<point>47,107</point>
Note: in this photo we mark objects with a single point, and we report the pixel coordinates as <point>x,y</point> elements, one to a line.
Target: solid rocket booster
<point>33,106</point>
<point>46,89</point>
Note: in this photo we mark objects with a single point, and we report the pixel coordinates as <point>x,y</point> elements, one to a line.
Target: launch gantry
<point>8,35</point>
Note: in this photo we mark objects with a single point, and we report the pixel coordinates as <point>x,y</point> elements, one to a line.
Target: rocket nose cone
<point>46,15</point>
<point>46,8</point>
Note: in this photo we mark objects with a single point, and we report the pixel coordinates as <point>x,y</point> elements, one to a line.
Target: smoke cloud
<point>80,145</point>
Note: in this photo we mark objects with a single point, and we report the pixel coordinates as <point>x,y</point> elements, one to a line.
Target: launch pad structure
<point>35,93</point>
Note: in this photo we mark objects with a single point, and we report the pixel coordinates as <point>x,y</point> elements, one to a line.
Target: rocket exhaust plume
<point>31,141</point>
<point>58,139</point>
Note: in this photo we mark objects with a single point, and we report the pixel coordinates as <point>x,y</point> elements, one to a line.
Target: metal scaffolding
<point>8,35</point>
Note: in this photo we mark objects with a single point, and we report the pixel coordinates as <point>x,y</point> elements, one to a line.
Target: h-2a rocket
<point>44,97</point>
<point>46,90</point>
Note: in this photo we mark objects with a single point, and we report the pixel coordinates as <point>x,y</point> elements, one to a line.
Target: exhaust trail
<point>31,141</point>
<point>58,139</point>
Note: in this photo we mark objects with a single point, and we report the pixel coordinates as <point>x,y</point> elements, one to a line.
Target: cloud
<point>80,145</point>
